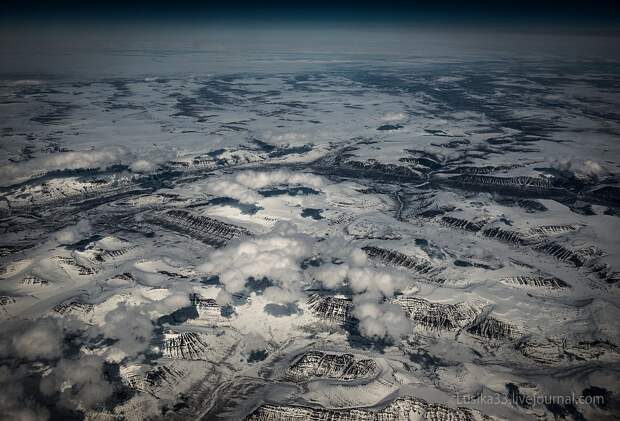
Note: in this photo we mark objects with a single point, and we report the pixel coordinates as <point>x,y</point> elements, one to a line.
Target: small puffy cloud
<point>380,320</point>
<point>14,402</point>
<point>284,139</point>
<point>332,275</point>
<point>76,383</point>
<point>233,190</point>
<point>244,185</point>
<point>74,233</point>
<point>132,325</point>
<point>394,117</point>
<point>100,158</point>
<point>39,339</point>
<point>339,248</point>
<point>254,342</point>
<point>262,179</point>
<point>142,166</point>
<point>276,256</point>
<point>562,165</point>
<point>376,280</point>
<point>449,79</point>
<point>172,302</point>
<point>361,276</point>
<point>591,169</point>
<point>87,386</point>
<point>148,161</point>
<point>370,286</point>
<point>583,169</point>
<point>358,258</point>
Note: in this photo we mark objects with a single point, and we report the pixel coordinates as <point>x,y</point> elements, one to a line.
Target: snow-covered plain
<point>413,237</point>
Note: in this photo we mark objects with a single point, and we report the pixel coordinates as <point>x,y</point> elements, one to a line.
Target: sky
<point>594,12</point>
<point>100,38</point>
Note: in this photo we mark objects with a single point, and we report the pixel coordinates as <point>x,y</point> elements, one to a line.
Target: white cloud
<point>132,325</point>
<point>361,276</point>
<point>370,285</point>
<point>276,255</point>
<point>79,382</point>
<point>233,190</point>
<point>14,404</point>
<point>148,161</point>
<point>41,339</point>
<point>262,179</point>
<point>74,233</point>
<point>84,376</point>
<point>376,280</point>
<point>331,275</point>
<point>580,168</point>
<point>101,158</point>
<point>143,166</point>
<point>449,79</point>
<point>358,258</point>
<point>380,320</point>
<point>285,139</point>
<point>174,301</point>
<point>591,169</point>
<point>394,116</point>
<point>334,275</point>
<point>254,342</point>
<point>244,185</point>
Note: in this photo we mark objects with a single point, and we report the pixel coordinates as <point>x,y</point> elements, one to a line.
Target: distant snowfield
<point>214,236</point>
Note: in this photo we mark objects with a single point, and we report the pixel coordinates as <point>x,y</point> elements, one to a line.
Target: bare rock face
<point>208,230</point>
<point>73,307</point>
<point>472,318</point>
<point>438,316</point>
<point>31,280</point>
<point>508,236</point>
<point>226,158</point>
<point>212,346</point>
<point>398,410</point>
<point>63,192</point>
<point>5,301</point>
<point>532,206</point>
<point>551,230</point>
<point>155,381</point>
<point>371,168</point>
<point>519,186</point>
<point>99,255</point>
<point>576,257</point>
<point>492,329</point>
<point>459,223</point>
<point>209,311</point>
<point>72,266</point>
<point>186,346</point>
<point>535,282</point>
<point>391,257</point>
<point>316,364</point>
<point>603,271</point>
<point>560,351</point>
<point>332,309</point>
<point>368,229</point>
